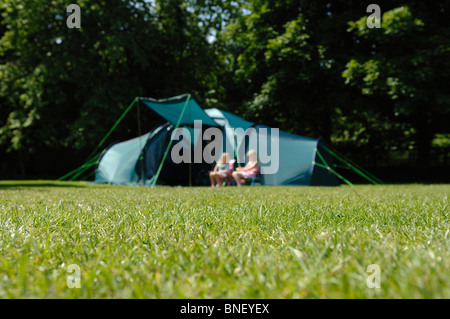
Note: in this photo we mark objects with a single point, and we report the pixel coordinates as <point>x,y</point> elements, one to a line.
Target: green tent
<point>147,159</point>
<point>285,159</point>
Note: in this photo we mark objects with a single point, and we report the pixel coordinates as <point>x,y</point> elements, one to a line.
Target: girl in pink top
<point>250,170</point>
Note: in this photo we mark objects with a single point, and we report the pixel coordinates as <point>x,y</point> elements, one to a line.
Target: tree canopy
<point>307,67</point>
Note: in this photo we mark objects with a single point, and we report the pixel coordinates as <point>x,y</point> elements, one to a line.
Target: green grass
<point>252,242</point>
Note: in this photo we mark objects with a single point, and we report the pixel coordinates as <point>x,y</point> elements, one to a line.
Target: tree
<point>287,57</point>
<point>408,61</point>
<point>64,88</point>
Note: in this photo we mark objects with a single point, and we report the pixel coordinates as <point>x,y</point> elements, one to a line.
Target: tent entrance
<point>185,173</point>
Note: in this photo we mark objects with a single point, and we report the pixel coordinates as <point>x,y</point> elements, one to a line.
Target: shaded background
<point>379,96</point>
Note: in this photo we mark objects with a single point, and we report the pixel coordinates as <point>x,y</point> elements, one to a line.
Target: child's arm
<point>249,167</point>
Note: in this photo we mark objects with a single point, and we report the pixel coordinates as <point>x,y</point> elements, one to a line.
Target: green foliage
<point>287,58</point>
<point>441,140</point>
<point>254,242</point>
<point>65,87</point>
<point>408,62</point>
<point>397,22</point>
<point>307,67</point>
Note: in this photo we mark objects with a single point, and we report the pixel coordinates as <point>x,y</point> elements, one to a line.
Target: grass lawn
<point>252,242</point>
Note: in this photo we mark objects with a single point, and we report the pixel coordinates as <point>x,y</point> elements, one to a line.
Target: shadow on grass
<point>39,183</point>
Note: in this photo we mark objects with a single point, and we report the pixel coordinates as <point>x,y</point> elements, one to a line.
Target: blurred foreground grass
<point>252,242</point>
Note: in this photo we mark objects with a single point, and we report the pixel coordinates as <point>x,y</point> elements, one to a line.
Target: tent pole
<point>190,162</point>
<point>79,168</point>
<point>113,127</point>
<point>87,176</point>
<point>101,142</point>
<point>141,155</point>
<point>85,167</point>
<point>350,163</point>
<point>155,178</point>
<point>359,171</point>
<point>334,172</point>
<point>327,167</point>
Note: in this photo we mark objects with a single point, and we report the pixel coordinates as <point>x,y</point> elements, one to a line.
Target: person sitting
<point>250,170</point>
<point>221,171</point>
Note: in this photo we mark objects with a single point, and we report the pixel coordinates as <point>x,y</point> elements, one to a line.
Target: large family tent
<point>147,159</point>
<point>285,159</point>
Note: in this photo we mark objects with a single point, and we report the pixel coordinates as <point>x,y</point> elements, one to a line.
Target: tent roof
<point>234,121</point>
<point>173,107</point>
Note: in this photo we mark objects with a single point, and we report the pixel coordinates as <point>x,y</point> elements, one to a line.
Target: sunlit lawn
<point>252,242</point>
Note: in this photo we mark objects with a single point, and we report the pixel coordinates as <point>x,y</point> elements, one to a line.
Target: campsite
<point>144,159</point>
<point>212,153</point>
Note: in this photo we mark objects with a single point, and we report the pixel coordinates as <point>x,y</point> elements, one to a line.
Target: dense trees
<point>63,88</point>
<point>287,58</point>
<point>313,68</point>
<point>408,63</point>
